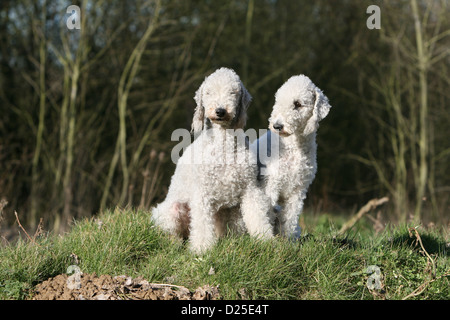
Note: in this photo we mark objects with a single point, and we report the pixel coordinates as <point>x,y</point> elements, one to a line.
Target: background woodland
<point>87,114</point>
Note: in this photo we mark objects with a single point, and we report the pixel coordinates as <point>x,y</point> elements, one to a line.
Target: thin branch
<point>419,240</point>
<point>424,285</point>
<point>23,229</point>
<point>372,204</point>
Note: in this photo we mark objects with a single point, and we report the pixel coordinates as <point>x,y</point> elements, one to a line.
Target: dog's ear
<point>320,111</point>
<point>322,106</point>
<point>199,113</point>
<point>246,98</point>
<point>241,112</point>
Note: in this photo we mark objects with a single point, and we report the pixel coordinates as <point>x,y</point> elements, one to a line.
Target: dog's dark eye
<point>297,104</point>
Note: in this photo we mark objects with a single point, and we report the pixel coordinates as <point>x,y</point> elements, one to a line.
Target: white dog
<point>288,172</point>
<point>217,173</point>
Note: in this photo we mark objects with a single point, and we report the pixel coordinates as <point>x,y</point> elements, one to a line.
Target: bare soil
<point>105,287</point>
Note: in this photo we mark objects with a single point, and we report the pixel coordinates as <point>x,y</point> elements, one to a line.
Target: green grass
<point>319,266</point>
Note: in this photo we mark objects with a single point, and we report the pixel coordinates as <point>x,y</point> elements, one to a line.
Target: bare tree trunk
<point>41,125</point>
<point>72,71</point>
<point>423,61</point>
<point>248,35</point>
<point>67,181</point>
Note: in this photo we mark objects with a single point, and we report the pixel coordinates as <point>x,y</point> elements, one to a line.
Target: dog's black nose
<point>220,112</point>
<point>278,126</point>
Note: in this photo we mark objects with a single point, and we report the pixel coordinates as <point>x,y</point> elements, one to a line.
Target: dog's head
<point>222,100</point>
<point>299,106</point>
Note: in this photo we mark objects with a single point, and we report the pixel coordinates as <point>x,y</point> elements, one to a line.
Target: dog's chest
<point>292,172</point>
<point>226,168</point>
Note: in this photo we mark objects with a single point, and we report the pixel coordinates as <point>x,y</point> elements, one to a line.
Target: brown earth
<point>105,287</point>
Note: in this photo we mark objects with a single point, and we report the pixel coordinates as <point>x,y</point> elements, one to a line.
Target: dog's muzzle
<point>277,126</point>
<point>220,112</point>
<point>279,129</point>
<point>220,115</point>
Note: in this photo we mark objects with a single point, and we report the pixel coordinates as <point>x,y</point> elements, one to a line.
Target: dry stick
<point>424,285</point>
<point>418,239</point>
<point>166,285</point>
<point>372,204</point>
<point>39,229</point>
<point>21,227</point>
<point>378,225</point>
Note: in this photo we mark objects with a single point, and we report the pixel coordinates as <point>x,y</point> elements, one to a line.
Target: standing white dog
<point>217,174</point>
<point>299,106</point>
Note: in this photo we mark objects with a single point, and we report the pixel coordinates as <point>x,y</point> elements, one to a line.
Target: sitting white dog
<point>291,166</point>
<point>217,174</point>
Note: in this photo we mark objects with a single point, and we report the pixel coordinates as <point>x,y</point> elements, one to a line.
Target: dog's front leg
<point>256,211</point>
<point>202,234</point>
<point>290,214</point>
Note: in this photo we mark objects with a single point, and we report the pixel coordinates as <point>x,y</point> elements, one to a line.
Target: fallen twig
<point>424,285</point>
<point>419,240</point>
<point>372,204</point>
<point>414,233</point>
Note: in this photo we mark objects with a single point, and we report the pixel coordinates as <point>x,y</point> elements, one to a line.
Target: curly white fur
<point>299,106</point>
<point>216,174</point>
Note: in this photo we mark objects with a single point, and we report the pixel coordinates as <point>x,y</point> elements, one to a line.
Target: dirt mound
<point>105,287</point>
